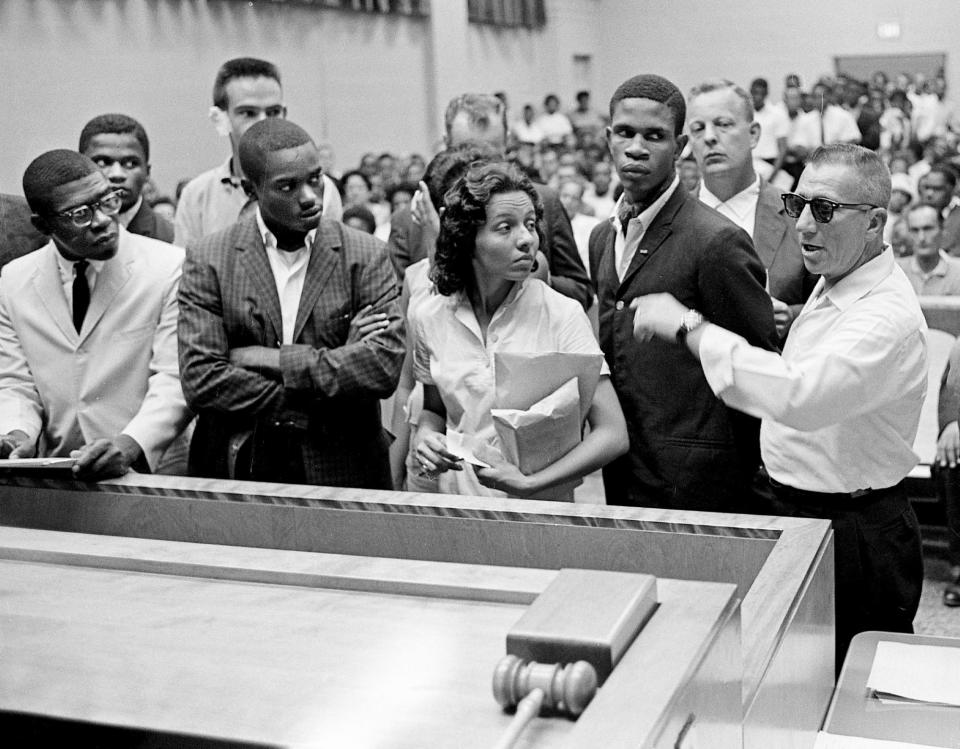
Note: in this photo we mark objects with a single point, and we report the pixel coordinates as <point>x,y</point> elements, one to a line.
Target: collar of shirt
<point>742,205</point>
<point>463,309</point>
<point>939,270</point>
<point>127,216</point>
<point>648,214</point>
<point>67,273</point>
<point>226,176</point>
<point>860,281</point>
<point>270,242</point>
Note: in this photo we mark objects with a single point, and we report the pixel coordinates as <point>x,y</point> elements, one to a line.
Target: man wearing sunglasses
<point>840,405</point>
<point>88,348</point>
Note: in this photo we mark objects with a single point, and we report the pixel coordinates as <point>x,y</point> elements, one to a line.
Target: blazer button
<point>619,305</point>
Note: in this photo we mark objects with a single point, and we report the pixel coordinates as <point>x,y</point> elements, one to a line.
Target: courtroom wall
<point>688,40</point>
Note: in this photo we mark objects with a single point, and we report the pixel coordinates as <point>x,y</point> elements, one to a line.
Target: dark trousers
<point>947,481</point>
<point>879,563</point>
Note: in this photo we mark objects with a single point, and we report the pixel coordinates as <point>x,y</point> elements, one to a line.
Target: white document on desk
<point>835,741</point>
<point>928,674</point>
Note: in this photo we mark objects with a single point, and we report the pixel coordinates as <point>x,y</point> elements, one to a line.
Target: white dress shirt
<point>289,271</point>
<point>840,406</point>
<point>774,124</point>
<point>67,274</point>
<point>624,248</point>
<point>741,208</point>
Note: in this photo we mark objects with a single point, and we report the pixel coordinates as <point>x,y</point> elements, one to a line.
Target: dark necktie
<point>81,293</point>
<point>628,212</point>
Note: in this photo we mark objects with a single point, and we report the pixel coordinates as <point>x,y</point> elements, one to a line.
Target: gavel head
<point>567,688</point>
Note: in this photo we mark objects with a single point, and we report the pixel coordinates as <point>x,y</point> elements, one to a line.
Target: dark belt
<point>857,500</point>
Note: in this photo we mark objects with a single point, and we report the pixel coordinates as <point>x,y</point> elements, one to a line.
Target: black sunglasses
<point>821,208</point>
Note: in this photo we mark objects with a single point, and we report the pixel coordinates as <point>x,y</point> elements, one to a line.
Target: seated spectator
<point>937,188</point>
<point>400,195</point>
<point>525,129</point>
<point>588,123</point>
<point>931,270</point>
<point>689,172</point>
<point>571,192</point>
<point>490,232</point>
<point>88,365</point>
<point>895,232</point>
<point>118,144</point>
<point>414,169</point>
<point>359,217</point>
<point>358,191</point>
<point>598,194</point>
<point>554,124</point>
<point>549,164</point>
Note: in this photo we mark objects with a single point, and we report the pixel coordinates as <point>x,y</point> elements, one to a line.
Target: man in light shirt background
<point>931,270</point>
<point>724,134</point>
<point>841,404</point>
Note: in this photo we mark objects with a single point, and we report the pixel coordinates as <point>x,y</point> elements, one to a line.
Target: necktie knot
<point>626,213</point>
<point>81,293</point>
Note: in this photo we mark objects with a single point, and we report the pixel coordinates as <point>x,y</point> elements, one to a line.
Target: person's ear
<point>220,121</point>
<point>681,143</point>
<point>41,224</point>
<point>755,128</point>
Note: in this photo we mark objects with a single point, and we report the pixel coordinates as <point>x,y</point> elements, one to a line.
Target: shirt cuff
<point>716,357</point>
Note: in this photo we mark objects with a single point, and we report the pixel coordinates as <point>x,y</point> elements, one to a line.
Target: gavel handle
<point>527,709</point>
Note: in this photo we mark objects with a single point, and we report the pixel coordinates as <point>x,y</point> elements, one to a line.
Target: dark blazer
<point>17,233</point>
<point>329,397</point>
<point>567,274</point>
<point>146,223</point>
<point>687,450</point>
<point>778,247</point>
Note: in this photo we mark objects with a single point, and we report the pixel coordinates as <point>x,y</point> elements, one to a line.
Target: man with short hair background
<point>687,449</point>
<point>118,144</point>
<point>246,90</point>
<point>840,406</point>
<point>723,137</point>
<point>290,331</point>
<point>482,118</point>
<point>88,323</point>
<point>929,269</point>
<point>937,187</point>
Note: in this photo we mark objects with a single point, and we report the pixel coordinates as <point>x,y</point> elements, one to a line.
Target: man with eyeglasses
<point>840,405</point>
<point>88,323</point>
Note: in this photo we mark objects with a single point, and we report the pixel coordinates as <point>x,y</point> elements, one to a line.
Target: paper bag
<point>524,379</point>
<point>534,438</point>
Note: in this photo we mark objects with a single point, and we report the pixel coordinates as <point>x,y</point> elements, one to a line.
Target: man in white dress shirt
<point>840,406</point>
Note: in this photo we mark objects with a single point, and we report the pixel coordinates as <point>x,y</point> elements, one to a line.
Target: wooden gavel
<point>566,688</point>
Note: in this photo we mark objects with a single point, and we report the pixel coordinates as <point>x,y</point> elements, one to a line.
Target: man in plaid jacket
<point>289,330</point>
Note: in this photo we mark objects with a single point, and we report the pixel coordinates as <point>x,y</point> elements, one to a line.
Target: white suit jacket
<point>119,374</point>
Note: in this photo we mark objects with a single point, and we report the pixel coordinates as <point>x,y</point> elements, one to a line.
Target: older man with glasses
<point>88,332</point>
<point>840,405</point>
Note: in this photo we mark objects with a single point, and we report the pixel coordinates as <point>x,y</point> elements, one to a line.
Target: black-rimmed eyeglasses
<point>821,208</point>
<point>82,215</point>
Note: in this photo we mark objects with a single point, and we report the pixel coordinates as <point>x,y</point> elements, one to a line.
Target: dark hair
<point>114,123</point>
<point>354,173</point>
<point>51,170</point>
<point>362,213</point>
<point>266,137</point>
<point>466,211</point>
<point>240,67</point>
<point>450,165</point>
<point>655,88</point>
<point>408,187</point>
<point>948,172</point>
<point>550,97</point>
<point>759,83</point>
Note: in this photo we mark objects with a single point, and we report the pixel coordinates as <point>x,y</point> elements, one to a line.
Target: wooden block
<point>589,615</point>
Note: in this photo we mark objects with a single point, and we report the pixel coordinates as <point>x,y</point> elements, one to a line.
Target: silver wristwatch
<point>689,320</point>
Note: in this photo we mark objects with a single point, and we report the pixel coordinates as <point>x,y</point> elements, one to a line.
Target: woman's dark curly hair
<point>466,211</point>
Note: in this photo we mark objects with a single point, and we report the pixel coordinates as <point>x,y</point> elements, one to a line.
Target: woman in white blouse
<point>486,303</point>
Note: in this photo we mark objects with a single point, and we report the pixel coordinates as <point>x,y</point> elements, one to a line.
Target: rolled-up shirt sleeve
<point>845,375</point>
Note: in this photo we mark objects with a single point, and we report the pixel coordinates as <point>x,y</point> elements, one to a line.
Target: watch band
<point>689,320</point>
